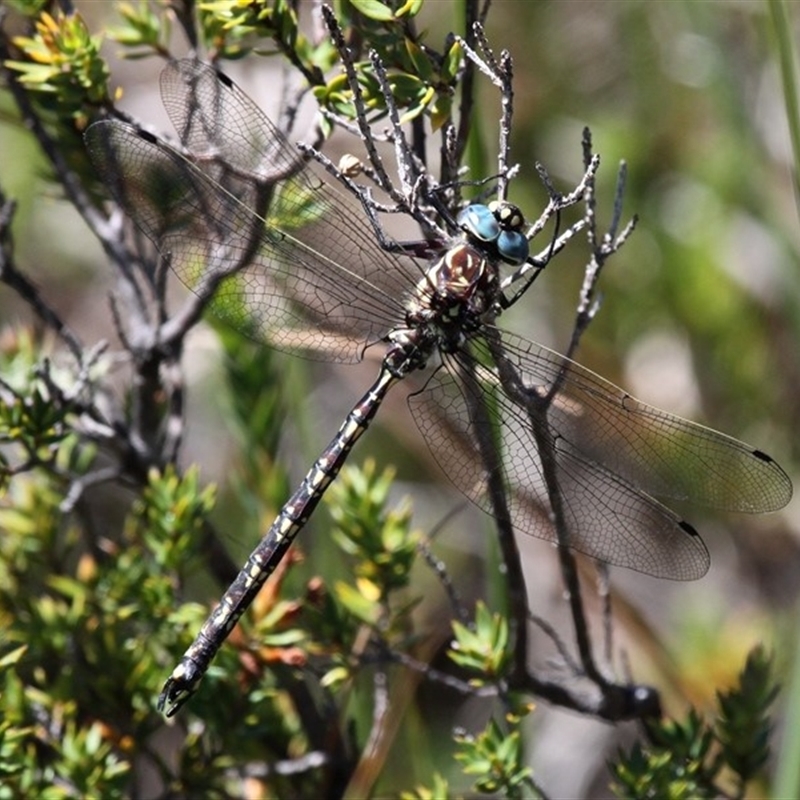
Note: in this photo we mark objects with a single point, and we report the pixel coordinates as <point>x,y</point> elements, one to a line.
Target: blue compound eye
<point>513,247</point>
<point>479,221</point>
<point>497,223</point>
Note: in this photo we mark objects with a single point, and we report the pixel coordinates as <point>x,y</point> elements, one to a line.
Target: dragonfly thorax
<point>449,301</point>
<point>456,291</point>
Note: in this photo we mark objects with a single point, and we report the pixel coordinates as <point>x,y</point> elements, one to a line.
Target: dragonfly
<point>237,209</point>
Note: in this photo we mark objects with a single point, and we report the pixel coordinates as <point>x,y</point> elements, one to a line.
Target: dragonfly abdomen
<point>265,558</point>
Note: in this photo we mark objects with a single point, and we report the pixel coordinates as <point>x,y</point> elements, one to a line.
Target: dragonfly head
<point>498,225</point>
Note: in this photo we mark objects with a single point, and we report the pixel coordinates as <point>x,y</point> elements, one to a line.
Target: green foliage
<point>170,514</point>
<point>63,65</point>
<point>744,725</point>
<point>85,632</point>
<point>422,81</point>
<point>233,28</point>
<point>143,32</point>
<point>381,549</point>
<point>79,761</point>
<point>36,418</point>
<point>380,542</point>
<point>677,766</point>
<point>30,8</point>
<point>496,754</point>
<point>498,757</point>
<point>438,790</point>
<point>688,760</point>
<point>381,12</point>
<point>260,389</point>
<point>484,649</point>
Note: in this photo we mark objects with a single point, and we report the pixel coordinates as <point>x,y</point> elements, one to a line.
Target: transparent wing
<point>214,118</point>
<point>612,456</point>
<point>282,247</point>
<point>663,454</point>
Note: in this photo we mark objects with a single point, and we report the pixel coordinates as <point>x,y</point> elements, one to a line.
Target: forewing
<point>214,118</point>
<point>663,454</point>
<point>283,253</point>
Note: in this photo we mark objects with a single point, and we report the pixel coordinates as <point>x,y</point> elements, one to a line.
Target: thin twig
<point>15,280</point>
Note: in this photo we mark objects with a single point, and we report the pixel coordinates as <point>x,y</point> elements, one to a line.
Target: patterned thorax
<point>449,301</point>
<point>461,284</point>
